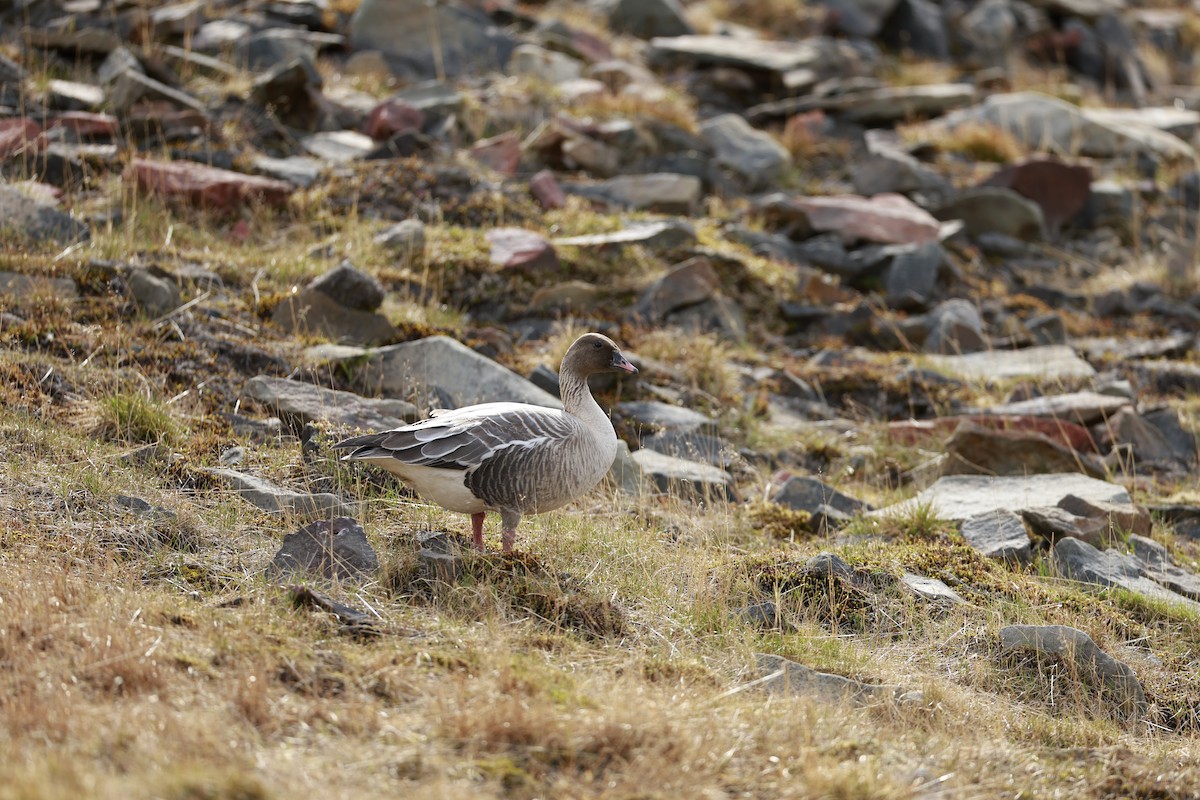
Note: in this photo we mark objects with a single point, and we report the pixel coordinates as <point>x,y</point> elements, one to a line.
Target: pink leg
<point>477,529</point>
<point>509,538</point>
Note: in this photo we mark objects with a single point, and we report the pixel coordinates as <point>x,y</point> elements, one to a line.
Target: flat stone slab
<point>659,234</point>
<point>1086,408</point>
<point>277,500</point>
<point>809,494</point>
<point>19,285</point>
<point>787,677</point>
<point>1049,361</point>
<point>412,369</point>
<point>931,589</point>
<point>684,478</point>
<point>1079,561</point>
<point>657,416</point>
<point>308,403</point>
<point>999,533</point>
<point>957,497</point>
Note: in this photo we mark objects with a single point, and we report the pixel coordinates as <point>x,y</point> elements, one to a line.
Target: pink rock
<point>391,117</point>
<point>204,186</point>
<point>86,125</point>
<point>517,248</point>
<point>885,218</point>
<point>1061,189</point>
<point>545,188</point>
<point>18,135</point>
<point>502,153</point>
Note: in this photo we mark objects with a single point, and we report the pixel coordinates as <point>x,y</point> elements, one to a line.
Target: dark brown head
<point>594,352</point>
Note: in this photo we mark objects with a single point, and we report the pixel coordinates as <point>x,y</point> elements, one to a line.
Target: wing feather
<point>464,438</point>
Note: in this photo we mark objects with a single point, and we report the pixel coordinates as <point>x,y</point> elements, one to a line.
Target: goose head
<point>592,353</point>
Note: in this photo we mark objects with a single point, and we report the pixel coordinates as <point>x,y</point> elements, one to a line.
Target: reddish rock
<point>884,218</point>
<point>204,186</point>
<point>391,117</point>
<point>1060,189</point>
<point>502,153</point>
<point>545,188</point>
<point>978,450</point>
<point>516,248</point>
<point>18,136</point>
<point>87,125</point>
<point>1069,434</point>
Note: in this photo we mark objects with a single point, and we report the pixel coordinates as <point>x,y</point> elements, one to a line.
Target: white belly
<point>442,486</point>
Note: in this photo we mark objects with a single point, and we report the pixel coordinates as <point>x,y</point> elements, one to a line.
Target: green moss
<point>135,418</point>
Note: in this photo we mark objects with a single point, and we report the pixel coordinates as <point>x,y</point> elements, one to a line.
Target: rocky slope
<point>913,291</point>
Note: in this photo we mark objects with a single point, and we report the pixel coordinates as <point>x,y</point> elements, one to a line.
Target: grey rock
<point>1110,204</point>
<point>653,416</point>
<point>1046,123</point>
<point>887,169</point>
<point>1047,328</point>
<point>990,209</point>
<point>893,104</point>
<point>1084,408</point>
<point>73,96</point>
<point>656,235</point>
<point>753,155</point>
<point>1053,523</point>
<point>1048,362</point>
<point>1151,445</point>
<point>405,237</point>
<point>999,534</point>
<point>350,287</point>
<point>301,171</point>
<point>958,497</point>
<point>931,589</point>
<point>689,283</point>
<point>718,314</point>
<point>649,18</point>
<point>438,559</point>
<point>912,276</point>
<point>336,549</point>
<point>822,56</point>
<point>1081,562</point>
<point>28,219</point>
<point>955,327</point>
<point>788,677</point>
<point>339,147</point>
<point>467,41</point>
<point>692,446</point>
<point>130,86</point>
<point>289,90</point>
<point>1167,377</point>
<point>23,287</point>
<point>1076,648</point>
<point>1181,442</point>
<point>1120,518</point>
<point>419,368</point>
<point>668,192</point>
<point>277,500</point>
<point>305,403</point>
<point>115,63</point>
<point>266,50</point>
<point>155,294</point>
<point>764,616</point>
<point>918,26</point>
<point>1159,567</point>
<point>809,494</point>
<point>314,313</point>
<point>687,479</point>
<point>547,65</point>
<point>989,26</point>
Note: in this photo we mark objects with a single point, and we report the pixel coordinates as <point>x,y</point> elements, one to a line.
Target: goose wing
<point>466,437</point>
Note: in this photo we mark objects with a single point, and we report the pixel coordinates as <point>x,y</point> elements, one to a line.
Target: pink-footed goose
<point>513,458</point>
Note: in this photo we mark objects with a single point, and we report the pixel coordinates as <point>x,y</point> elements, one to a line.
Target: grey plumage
<point>512,458</point>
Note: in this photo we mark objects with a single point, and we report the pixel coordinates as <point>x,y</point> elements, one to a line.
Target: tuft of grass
<point>982,142</point>
<point>135,418</point>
